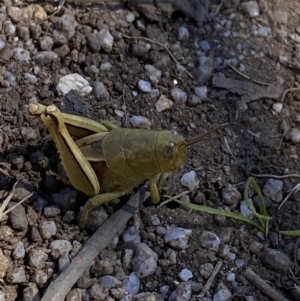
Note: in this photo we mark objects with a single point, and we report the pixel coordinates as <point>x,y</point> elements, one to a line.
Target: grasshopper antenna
<point>206,135</point>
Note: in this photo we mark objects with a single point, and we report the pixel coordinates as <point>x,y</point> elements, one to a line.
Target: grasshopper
<point>107,162</point>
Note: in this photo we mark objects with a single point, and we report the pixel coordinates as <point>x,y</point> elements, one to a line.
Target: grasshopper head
<point>171,150</point>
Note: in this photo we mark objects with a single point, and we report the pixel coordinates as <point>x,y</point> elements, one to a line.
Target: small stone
<point>98,292</point>
<point>59,247</point>
<point>144,261</point>
<point>133,284</point>
<point>9,28</point>
<point>20,54</point>
<point>17,276</point>
<point>183,33</point>
<point>178,95</point>
<point>153,74</point>
<point>45,57</point>
<point>51,211</point>
<point>47,229</point>
<point>19,251</point>
<point>277,261</point>
<point>31,292</point>
<point>37,258</point>
<point>6,233</point>
<point>263,31</point>
<point>46,43</point>
<point>14,13</point>
<point>28,134</point>
<point>206,270</point>
<point>31,78</point>
<point>75,295</point>
<point>273,190</point>
<point>204,45</point>
<point>222,293</point>
<point>239,263</point>
<point>144,86</point>
<point>140,122</point>
<point>2,44</point>
<point>163,104</point>
<point>230,277</point>
<point>100,91</point>
<point>105,66</point>
<point>245,210</point>
<point>294,135</point>
<point>190,180</point>
<point>231,196</point>
<point>210,241</point>
<point>280,17</point>
<point>130,17</point>
<point>106,40</point>
<point>277,107</point>
<point>93,42</point>
<point>183,292</point>
<point>73,81</point>
<point>193,101</point>
<point>63,261</point>
<point>24,33</point>
<point>178,238</point>
<point>201,92</point>
<point>4,264</point>
<point>147,297</point>
<point>18,217</point>
<point>185,275</point>
<point>250,7</point>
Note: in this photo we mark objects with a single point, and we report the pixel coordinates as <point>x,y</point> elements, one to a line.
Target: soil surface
<point>227,66</point>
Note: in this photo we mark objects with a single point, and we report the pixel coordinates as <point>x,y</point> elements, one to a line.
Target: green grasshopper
<point>107,162</point>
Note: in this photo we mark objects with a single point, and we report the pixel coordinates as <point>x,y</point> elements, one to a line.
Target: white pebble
<point>163,104</point>
<point>144,86</point>
<point>245,210</point>
<point>185,275</point>
<point>201,92</point>
<point>32,78</point>
<point>119,113</point>
<point>59,247</point>
<point>277,107</point>
<point>140,122</point>
<point>73,81</point>
<point>153,74</point>
<point>190,180</point>
<point>178,95</point>
<point>19,251</point>
<point>183,33</point>
<point>294,135</point>
<point>2,44</point>
<point>178,238</point>
<point>133,284</point>
<point>106,40</point>
<point>130,17</point>
<point>230,277</point>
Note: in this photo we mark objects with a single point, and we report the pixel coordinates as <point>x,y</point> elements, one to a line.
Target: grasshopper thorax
<point>171,150</point>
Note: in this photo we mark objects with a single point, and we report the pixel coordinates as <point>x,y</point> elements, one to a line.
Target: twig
<point>62,285</point>
<point>290,192</point>
<point>297,89</point>
<point>283,135</point>
<point>60,5</point>
<point>210,280</point>
<point>218,8</point>
<point>246,76</point>
<point>228,148</point>
<point>263,286</point>
<point>174,197</point>
<point>162,45</point>
<point>293,175</point>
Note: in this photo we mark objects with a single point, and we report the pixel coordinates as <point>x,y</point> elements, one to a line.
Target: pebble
<point>45,57</point>
<point>153,74</point>
<point>144,261</point>
<point>182,292</point>
<point>178,95</point>
<point>190,180</point>
<point>280,16</point>
<point>37,258</point>
<point>28,134</point>
<point>6,233</point>
<point>47,229</point>
<point>201,92</point>
<point>51,211</point>
<point>4,264</point>
<point>204,45</point>
<point>206,270</point>
<point>273,190</point>
<point>183,33</point>
<point>245,210</point>
<point>46,43</point>
<point>133,284</point>
<point>17,276</point>
<point>222,293</point>
<point>276,261</point>
<point>250,7</point>
<point>294,135</point>
<point>147,297</point>
<point>230,277</point>
<point>32,78</point>
<point>9,28</point>
<point>19,251</point>
<point>263,31</point>
<point>105,66</point>
<point>210,241</point>
<point>178,238</point>
<point>205,69</point>
<point>98,292</point>
<point>277,107</point>
<point>140,122</point>
<point>2,296</point>
<point>132,234</point>
<point>31,292</point>
<point>144,86</point>
<point>63,261</point>
<point>73,81</point>
<point>18,217</point>
<point>75,294</point>
<point>2,44</point>
<point>163,104</point>
<point>185,275</point>
<point>193,101</point>
<point>59,247</point>
<point>100,91</point>
<point>106,40</point>
<point>231,196</point>
<point>20,54</point>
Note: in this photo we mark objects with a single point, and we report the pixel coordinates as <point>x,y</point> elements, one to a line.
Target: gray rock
<point>106,40</point>
<point>75,294</point>
<point>210,241</point>
<point>47,229</point>
<point>178,95</point>
<point>147,297</point>
<point>59,37</point>
<point>153,74</point>
<point>251,8</point>
<point>11,78</point>
<point>93,42</point>
<point>231,196</point>
<point>133,284</point>
<point>63,261</point>
<point>205,46</point>
<point>75,82</point>
<point>20,54</point>
<point>18,217</point>
<point>193,100</point>
<point>185,275</point>
<point>37,258</point>
<point>245,210</point>
<point>24,33</point>
<point>28,134</point>
<point>14,13</point>
<point>9,28</point>
<point>17,276</point>
<point>140,122</point>
<point>183,33</point>
<point>51,211</point>
<point>45,57</point>
<point>31,292</point>
<point>276,261</point>
<point>163,104</point>
<point>19,251</point>
<point>201,92</point>
<point>144,86</point>
<point>206,270</point>
<point>182,292</point>
<point>222,293</point>
<point>31,78</point>
<point>98,292</point>
<point>144,261</point>
<point>273,190</point>
<point>100,91</point>
<point>46,43</point>
<point>2,44</point>
<point>205,69</point>
<point>280,17</point>
<point>178,238</point>
<point>59,247</point>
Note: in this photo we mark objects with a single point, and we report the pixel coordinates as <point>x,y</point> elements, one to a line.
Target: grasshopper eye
<point>169,151</point>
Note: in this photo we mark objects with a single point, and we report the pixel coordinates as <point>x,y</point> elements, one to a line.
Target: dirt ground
<point>259,139</point>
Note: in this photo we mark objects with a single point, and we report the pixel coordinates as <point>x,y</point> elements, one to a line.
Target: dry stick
<point>62,285</point>
<point>292,175</point>
<point>210,280</point>
<point>290,192</point>
<point>162,45</point>
<point>297,89</point>
<point>263,286</point>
